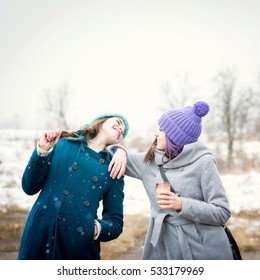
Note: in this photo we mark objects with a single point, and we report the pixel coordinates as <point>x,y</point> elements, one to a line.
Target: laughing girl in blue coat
<point>70,170</point>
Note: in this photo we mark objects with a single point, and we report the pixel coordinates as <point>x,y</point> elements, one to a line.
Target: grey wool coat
<point>195,232</point>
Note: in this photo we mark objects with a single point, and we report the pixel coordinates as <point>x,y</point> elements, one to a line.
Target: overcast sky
<point>116,54</point>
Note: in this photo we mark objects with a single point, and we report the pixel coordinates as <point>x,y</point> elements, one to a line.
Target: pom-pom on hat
<point>183,126</point>
<point>107,115</point>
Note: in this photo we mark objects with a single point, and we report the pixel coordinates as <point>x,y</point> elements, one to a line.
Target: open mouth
<point>118,131</point>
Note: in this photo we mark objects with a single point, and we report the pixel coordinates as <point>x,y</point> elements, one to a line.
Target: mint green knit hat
<point>107,115</point>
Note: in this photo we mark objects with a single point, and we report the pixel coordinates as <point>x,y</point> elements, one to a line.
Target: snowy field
<point>243,190</point>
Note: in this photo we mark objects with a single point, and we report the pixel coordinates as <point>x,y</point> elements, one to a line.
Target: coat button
<point>35,164</point>
<point>75,166</point>
<point>66,192</point>
<point>95,179</point>
<point>86,203</point>
<point>79,229</point>
<point>101,160</point>
<point>60,218</point>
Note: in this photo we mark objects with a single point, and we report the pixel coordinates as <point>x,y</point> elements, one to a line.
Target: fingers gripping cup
<point>163,187</point>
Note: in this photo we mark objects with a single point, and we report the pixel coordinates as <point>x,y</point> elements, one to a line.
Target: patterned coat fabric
<point>73,179</point>
<point>195,232</point>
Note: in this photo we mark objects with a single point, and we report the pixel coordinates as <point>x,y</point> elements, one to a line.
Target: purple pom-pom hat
<point>183,126</point>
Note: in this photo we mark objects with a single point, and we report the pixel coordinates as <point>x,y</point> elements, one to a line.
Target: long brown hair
<point>150,155</point>
<point>88,131</point>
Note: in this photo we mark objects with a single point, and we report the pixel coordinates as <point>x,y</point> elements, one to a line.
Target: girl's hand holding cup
<point>167,199</point>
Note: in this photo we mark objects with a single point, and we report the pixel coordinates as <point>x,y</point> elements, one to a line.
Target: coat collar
<point>82,140</point>
<point>190,153</point>
<point>160,158</point>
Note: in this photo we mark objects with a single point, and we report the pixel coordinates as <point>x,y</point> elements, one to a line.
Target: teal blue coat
<point>72,180</point>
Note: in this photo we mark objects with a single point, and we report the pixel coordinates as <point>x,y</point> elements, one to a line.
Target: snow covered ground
<point>243,189</point>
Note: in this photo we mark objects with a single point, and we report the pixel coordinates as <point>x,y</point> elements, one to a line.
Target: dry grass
<point>12,222</point>
<point>133,235</point>
<point>245,227</point>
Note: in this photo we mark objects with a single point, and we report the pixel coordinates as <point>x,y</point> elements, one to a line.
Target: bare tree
<point>234,107</point>
<point>255,114</point>
<point>56,105</point>
<point>242,113</point>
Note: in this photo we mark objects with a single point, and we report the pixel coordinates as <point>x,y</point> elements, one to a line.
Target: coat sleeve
<point>35,173</point>
<point>135,161</point>
<point>135,166</point>
<point>214,210</point>
<point>112,214</point>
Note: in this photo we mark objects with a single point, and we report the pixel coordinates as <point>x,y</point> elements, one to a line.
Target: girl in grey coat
<point>186,224</point>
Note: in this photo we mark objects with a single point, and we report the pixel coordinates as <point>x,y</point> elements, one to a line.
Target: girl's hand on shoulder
<point>117,165</point>
<point>49,138</point>
<point>169,200</point>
